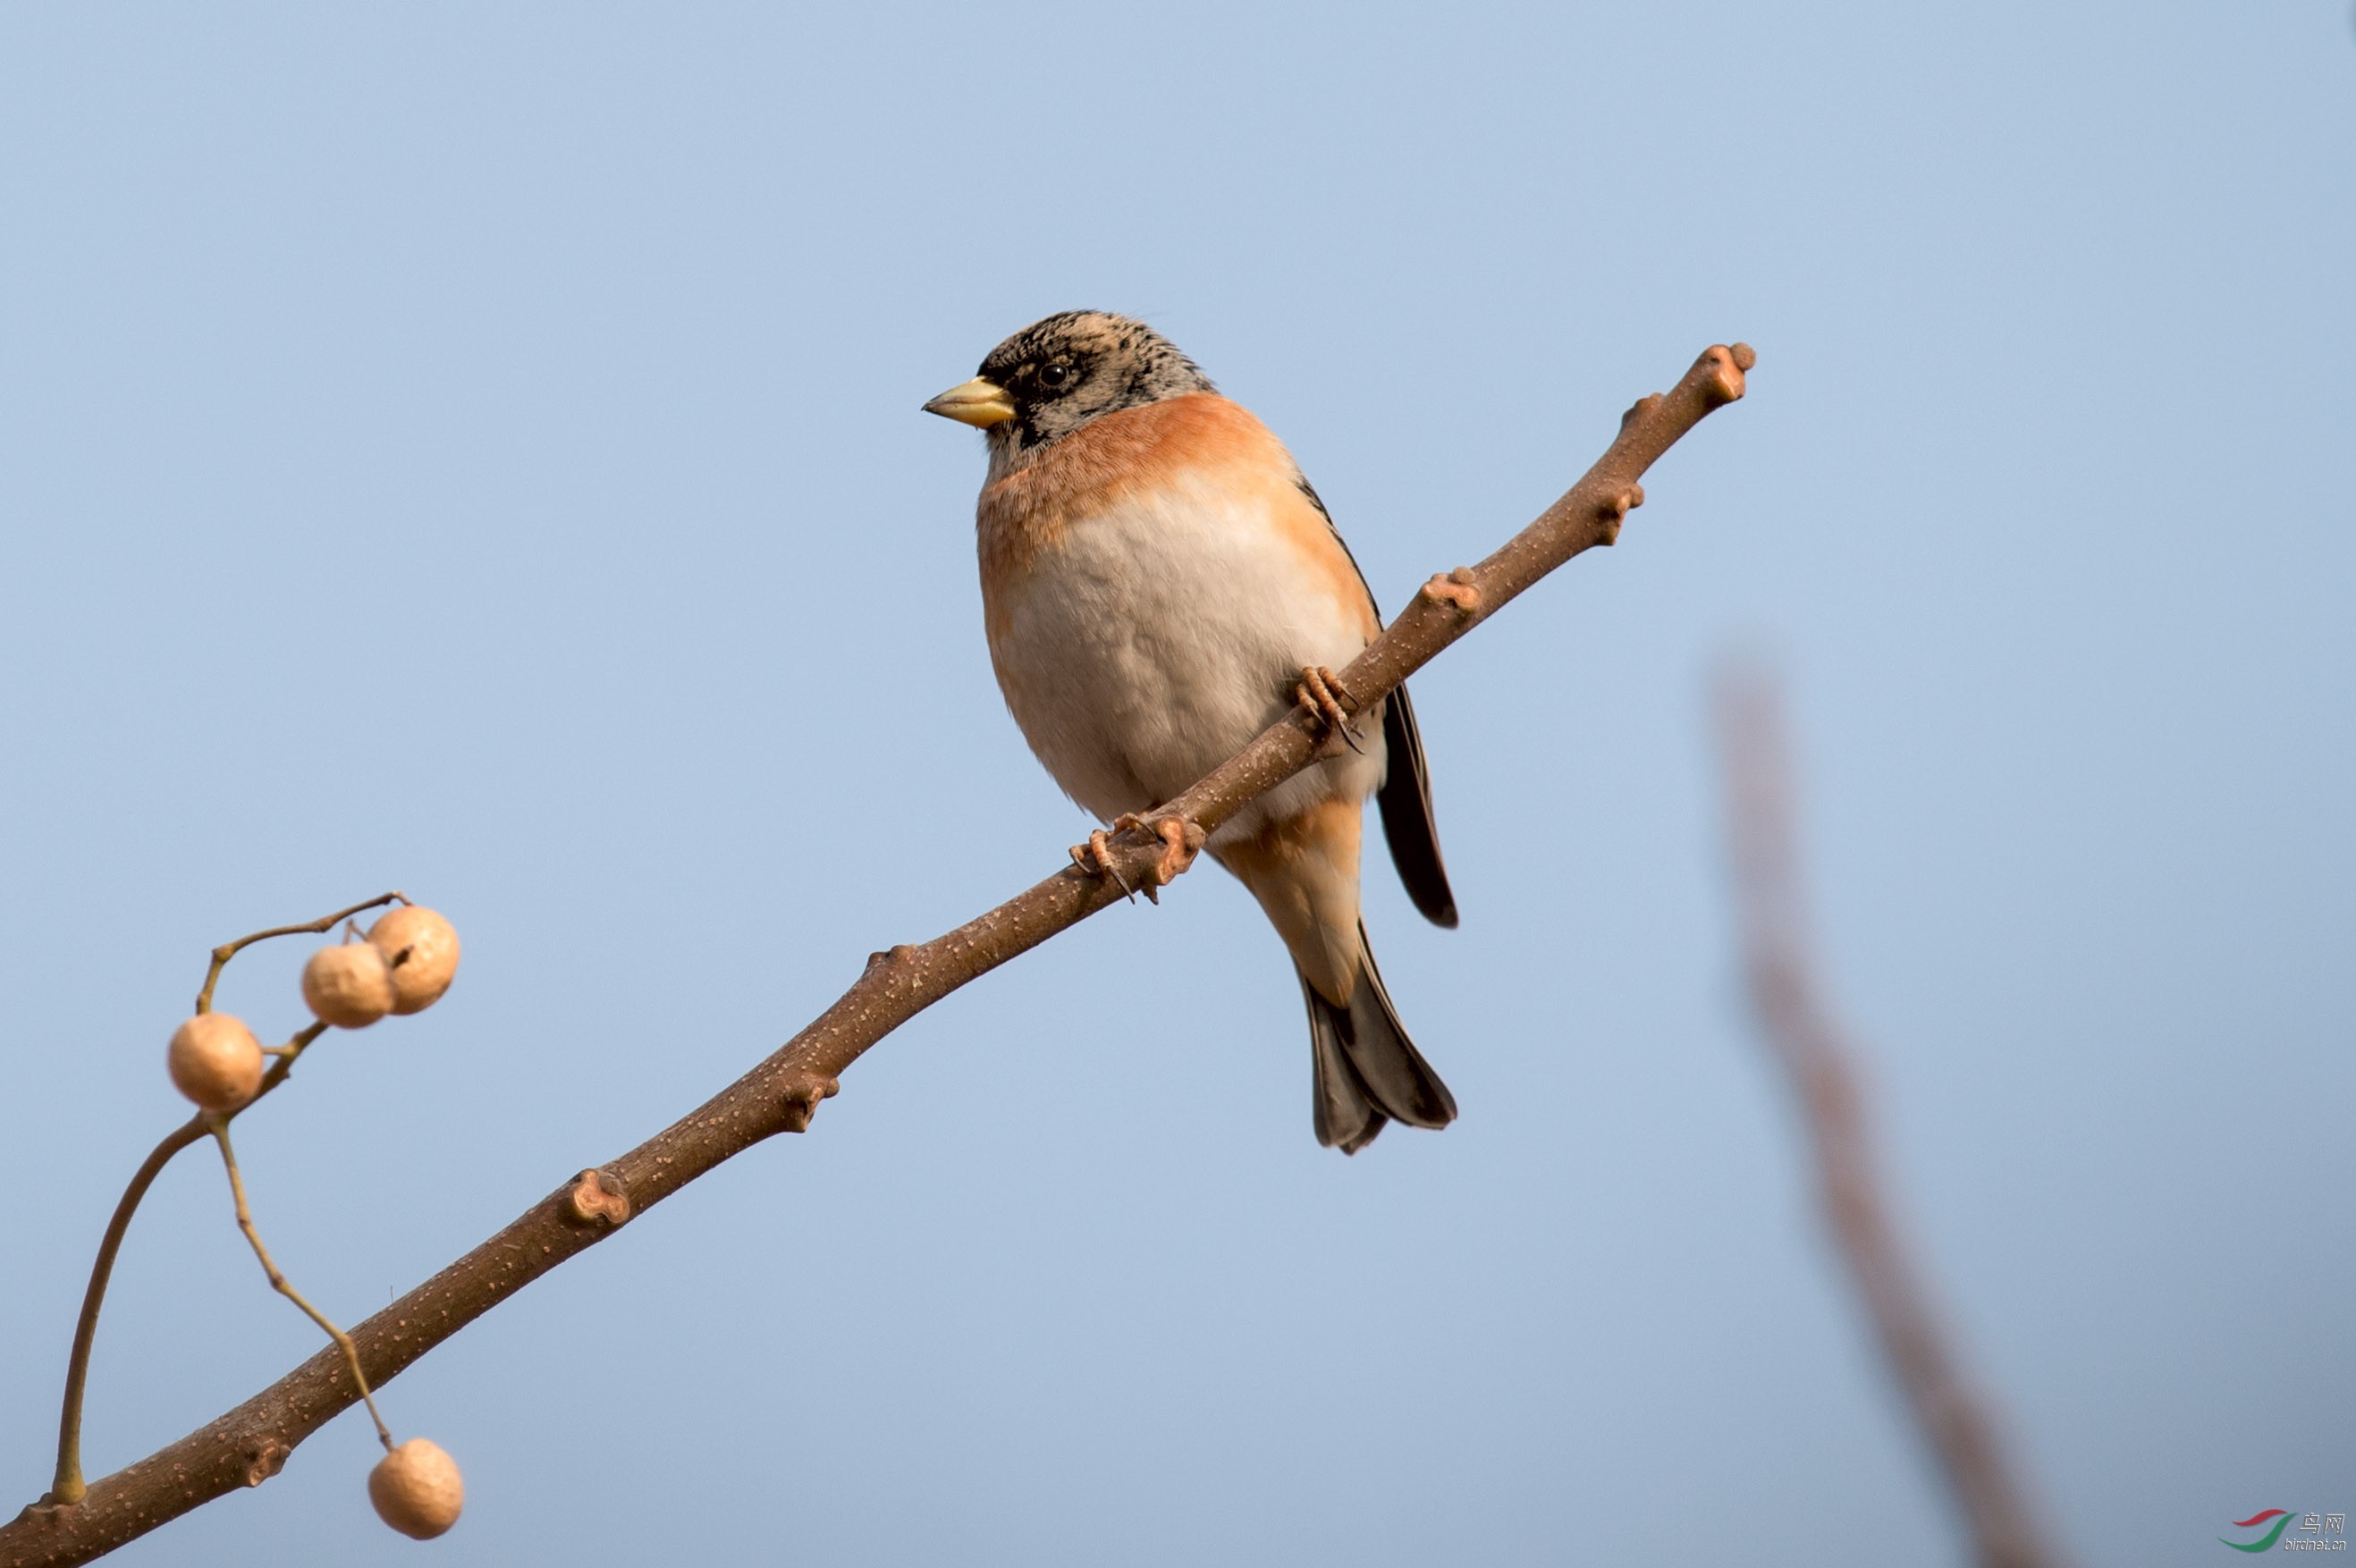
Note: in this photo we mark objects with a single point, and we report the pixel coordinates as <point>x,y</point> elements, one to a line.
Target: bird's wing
<point>1406,795</point>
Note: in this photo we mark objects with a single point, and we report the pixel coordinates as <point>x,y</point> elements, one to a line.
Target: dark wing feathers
<point>1407,826</point>
<point>1406,795</point>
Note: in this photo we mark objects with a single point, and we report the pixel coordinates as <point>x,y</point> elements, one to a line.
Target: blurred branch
<point>248,1444</point>
<point>1800,1031</point>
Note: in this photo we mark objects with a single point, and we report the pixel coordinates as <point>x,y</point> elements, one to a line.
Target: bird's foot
<point>1323,694</point>
<point>1094,857</point>
<point>1180,840</point>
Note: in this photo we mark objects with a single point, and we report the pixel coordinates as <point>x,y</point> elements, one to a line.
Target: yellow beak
<point>981,402</point>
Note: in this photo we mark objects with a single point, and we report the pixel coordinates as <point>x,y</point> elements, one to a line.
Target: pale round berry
<point>417,1490</point>
<point>422,950</point>
<point>215,1062</point>
<point>349,986</point>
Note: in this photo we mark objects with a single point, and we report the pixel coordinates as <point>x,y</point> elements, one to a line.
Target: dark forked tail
<point>1367,1070</point>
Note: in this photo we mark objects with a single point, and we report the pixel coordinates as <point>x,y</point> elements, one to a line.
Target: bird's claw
<point>1181,839</point>
<point>1323,695</point>
<point>1094,857</point>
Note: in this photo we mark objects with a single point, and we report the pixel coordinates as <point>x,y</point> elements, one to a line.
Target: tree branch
<point>1808,1044</point>
<point>248,1445</point>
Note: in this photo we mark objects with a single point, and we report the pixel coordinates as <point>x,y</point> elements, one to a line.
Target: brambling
<point>1159,583</point>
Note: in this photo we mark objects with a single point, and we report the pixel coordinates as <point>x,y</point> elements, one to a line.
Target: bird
<point>1160,582</point>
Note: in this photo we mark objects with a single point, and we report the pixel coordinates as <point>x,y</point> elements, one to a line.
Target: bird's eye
<point>1055,375</point>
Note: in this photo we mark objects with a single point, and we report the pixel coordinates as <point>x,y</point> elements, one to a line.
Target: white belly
<point>1146,646</point>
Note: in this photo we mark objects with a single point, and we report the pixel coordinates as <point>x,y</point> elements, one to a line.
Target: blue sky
<point>476,450</point>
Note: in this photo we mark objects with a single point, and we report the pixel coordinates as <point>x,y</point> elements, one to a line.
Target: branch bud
<point>802,1101</point>
<point>598,1199</point>
<point>1727,368</point>
<point>1455,588</point>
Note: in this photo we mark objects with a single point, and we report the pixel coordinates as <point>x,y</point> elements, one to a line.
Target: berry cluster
<point>402,965</point>
<point>408,960</point>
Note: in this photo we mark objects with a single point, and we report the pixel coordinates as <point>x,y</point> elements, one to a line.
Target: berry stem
<point>228,950</point>
<point>68,1487</point>
<point>220,1129</point>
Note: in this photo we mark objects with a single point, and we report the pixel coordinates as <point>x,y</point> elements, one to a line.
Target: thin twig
<point>66,1484</point>
<point>67,1488</point>
<point>228,950</point>
<point>279,1283</point>
<point>248,1444</point>
<point>1809,1044</point>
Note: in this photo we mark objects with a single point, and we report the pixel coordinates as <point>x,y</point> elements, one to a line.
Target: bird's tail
<point>1367,1070</point>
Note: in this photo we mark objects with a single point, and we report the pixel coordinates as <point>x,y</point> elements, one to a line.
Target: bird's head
<point>1055,375</point>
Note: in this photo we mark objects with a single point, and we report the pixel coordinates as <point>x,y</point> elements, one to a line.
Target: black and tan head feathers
<point>1077,365</point>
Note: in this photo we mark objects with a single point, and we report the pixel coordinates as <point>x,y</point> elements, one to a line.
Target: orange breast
<point>1116,457</point>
